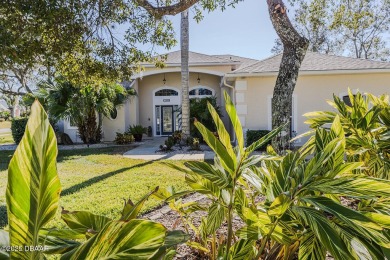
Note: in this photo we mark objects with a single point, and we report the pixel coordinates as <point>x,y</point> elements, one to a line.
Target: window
<point>200,92</point>
<point>71,123</point>
<point>166,92</point>
<point>114,113</point>
<point>345,96</point>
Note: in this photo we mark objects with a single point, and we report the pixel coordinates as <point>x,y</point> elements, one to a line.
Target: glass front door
<point>167,120</point>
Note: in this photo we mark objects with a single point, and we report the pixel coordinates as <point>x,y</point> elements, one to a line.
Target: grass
<point>6,138</point>
<point>98,180</point>
<point>5,124</point>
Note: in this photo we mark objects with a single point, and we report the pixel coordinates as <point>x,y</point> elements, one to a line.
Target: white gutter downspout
<point>234,101</point>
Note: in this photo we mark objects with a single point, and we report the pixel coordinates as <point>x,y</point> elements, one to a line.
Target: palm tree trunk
<point>185,106</point>
<point>294,50</point>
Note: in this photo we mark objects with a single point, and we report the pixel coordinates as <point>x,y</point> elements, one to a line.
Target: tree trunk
<point>185,102</point>
<point>294,50</point>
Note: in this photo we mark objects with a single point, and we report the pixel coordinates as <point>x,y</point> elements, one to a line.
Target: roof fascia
<point>307,72</point>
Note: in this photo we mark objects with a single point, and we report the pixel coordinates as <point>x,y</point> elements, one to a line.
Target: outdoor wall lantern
<point>164,80</point>
<point>198,79</point>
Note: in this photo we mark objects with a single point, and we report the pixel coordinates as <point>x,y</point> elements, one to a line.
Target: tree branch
<point>10,92</point>
<point>159,12</point>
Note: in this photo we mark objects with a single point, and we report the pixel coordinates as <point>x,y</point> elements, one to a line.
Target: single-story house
<point>249,82</point>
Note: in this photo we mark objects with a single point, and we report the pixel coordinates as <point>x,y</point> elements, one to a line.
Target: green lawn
<point>5,124</point>
<point>6,138</point>
<point>98,180</point>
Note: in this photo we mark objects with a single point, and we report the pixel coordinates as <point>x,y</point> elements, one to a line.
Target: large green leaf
<point>279,206</point>
<point>57,245</point>
<point>136,239</point>
<point>207,171</point>
<point>172,239</point>
<point>33,188</point>
<point>353,219</point>
<point>327,232</point>
<point>202,185</point>
<point>130,210</point>
<point>310,248</point>
<point>229,163</point>
<point>223,134</point>
<point>84,222</point>
<point>242,250</point>
<point>215,217</point>
<point>231,111</point>
<point>353,186</point>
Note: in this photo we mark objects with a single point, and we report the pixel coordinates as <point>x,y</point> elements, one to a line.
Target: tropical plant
<point>124,138</point>
<point>84,106</point>
<point>306,210</point>
<point>220,182</point>
<point>137,131</point>
<point>33,192</point>
<point>302,205</point>
<point>366,123</point>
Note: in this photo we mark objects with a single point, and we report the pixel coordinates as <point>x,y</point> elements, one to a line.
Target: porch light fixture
<point>198,79</point>
<point>164,80</point>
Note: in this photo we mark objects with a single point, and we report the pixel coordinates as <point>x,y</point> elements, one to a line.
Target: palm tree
<point>184,42</point>
<point>82,104</point>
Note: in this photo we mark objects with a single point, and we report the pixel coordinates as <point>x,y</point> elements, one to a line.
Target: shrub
<point>193,143</point>
<point>254,135</point>
<point>177,135</point>
<point>124,138</point>
<point>170,142</point>
<point>366,124</point>
<point>5,114</point>
<point>137,129</point>
<point>18,126</point>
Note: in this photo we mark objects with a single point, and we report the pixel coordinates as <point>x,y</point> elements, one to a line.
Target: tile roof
<point>244,62</point>
<point>315,62</point>
<point>198,58</point>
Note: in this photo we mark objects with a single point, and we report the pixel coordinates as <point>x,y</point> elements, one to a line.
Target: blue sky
<point>245,30</point>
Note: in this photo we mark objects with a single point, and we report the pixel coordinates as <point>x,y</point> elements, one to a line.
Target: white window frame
<point>68,126</point>
<point>201,96</point>
<point>294,112</point>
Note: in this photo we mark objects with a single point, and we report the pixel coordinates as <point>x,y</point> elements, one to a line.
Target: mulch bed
<point>171,220</point>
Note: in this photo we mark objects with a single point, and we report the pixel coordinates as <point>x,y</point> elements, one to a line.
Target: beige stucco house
<point>250,84</point>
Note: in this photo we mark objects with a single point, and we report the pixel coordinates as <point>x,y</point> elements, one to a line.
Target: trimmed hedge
<point>18,126</point>
<point>254,135</point>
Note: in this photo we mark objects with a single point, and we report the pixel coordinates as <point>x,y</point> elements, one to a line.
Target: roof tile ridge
<point>260,61</point>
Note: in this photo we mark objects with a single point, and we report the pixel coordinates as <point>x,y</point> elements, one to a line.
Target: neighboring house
<point>249,82</point>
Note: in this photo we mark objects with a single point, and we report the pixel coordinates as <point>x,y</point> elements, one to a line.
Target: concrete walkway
<point>149,150</point>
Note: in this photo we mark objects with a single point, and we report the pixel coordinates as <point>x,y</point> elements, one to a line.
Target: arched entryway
<point>166,101</point>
